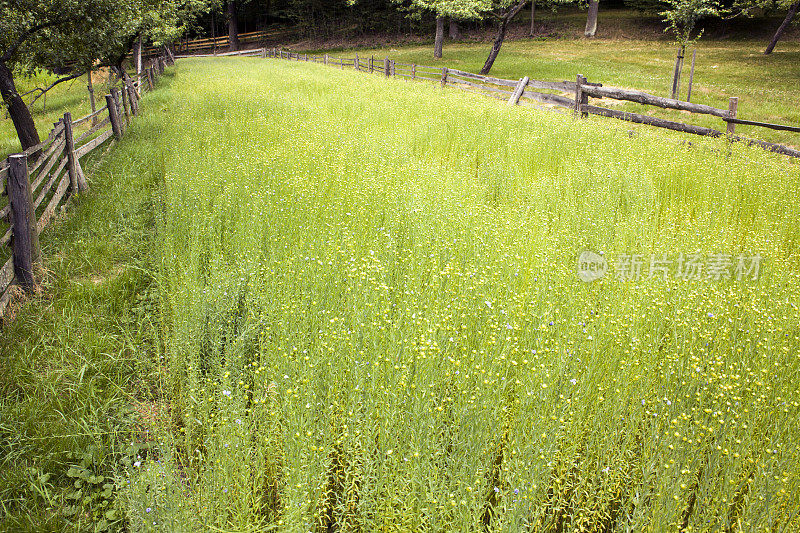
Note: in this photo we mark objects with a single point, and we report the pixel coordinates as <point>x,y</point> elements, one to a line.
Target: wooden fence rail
<point>39,180</point>
<point>572,95</point>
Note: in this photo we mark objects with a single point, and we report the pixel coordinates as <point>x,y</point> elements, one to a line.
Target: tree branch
<point>27,33</point>
<point>43,90</point>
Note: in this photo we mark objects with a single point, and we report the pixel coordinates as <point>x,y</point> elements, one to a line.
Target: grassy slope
<point>76,361</point>
<point>370,294</point>
<point>766,85</point>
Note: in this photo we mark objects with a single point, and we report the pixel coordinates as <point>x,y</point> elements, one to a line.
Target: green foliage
<point>55,34</point>
<point>682,16</point>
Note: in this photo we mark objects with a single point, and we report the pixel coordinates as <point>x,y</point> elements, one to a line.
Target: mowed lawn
<point>372,321</point>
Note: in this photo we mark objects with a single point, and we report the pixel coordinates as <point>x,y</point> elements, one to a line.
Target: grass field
<point>765,85</point>
<point>372,319</point>
<point>79,359</point>
<point>301,299</point>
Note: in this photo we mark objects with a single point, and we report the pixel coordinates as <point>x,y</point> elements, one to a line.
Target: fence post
<point>733,104</point>
<point>114,116</point>
<point>371,64</point>
<point>394,73</point>
<point>91,95</point>
<point>355,62</point>
<point>444,76</point>
<point>518,90</point>
<point>386,67</point>
<point>117,107</point>
<point>125,105</point>
<point>25,242</point>
<point>132,97</point>
<point>581,99</point>
<point>149,72</point>
<point>75,181</point>
<point>326,60</point>
<point>413,71</point>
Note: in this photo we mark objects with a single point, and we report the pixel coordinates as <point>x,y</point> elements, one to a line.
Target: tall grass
<point>372,320</point>
<point>78,361</point>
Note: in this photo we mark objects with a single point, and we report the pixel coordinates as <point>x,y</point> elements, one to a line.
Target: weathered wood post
<point>733,104</point>
<point>113,116</point>
<point>25,241</point>
<point>326,60</point>
<point>75,181</point>
<point>520,88</point>
<point>445,71</point>
<point>581,99</point>
<point>371,64</point>
<point>355,62</point>
<point>149,73</point>
<point>394,72</point>
<point>91,95</point>
<point>386,67</point>
<point>118,107</point>
<point>133,98</point>
<point>125,105</point>
<point>691,76</point>
<point>413,71</point>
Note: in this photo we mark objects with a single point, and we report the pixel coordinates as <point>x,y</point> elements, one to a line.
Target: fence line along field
<point>372,319</point>
<point>36,181</point>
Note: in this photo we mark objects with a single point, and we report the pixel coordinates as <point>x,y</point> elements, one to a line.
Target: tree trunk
<point>498,42</point>
<point>233,26</point>
<point>137,55</point>
<point>437,44</point>
<point>506,17</point>
<point>17,110</point>
<point>591,19</point>
<point>455,32</point>
<point>785,24</point>
<point>533,18</point>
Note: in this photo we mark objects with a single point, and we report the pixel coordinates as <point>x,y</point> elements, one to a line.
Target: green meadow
<point>372,319</point>
<point>359,310</point>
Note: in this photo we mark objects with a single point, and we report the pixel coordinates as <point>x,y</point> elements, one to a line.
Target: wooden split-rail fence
<point>36,182</point>
<point>572,95</point>
<point>186,46</point>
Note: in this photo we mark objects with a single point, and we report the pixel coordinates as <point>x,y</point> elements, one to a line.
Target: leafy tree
<point>503,11</point>
<point>70,36</point>
<point>682,16</point>
<point>454,9</point>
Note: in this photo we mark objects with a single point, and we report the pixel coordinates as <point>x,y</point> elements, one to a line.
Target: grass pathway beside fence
<point>78,360</point>
<point>372,316</point>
